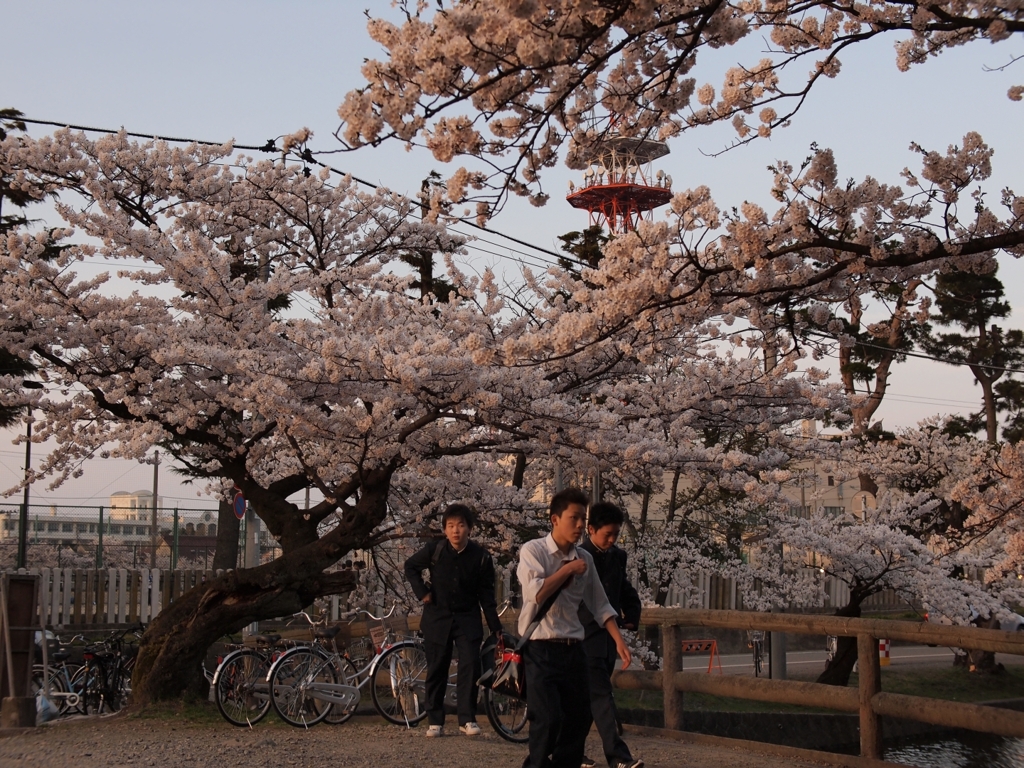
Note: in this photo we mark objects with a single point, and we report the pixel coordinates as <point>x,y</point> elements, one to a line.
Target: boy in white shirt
<point>557,677</point>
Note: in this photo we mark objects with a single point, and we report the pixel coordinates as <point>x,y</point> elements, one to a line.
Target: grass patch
<point>948,683</point>
<point>953,683</point>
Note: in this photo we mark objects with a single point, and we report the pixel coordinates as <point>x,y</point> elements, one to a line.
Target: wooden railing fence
<point>83,598</point>
<point>868,700</point>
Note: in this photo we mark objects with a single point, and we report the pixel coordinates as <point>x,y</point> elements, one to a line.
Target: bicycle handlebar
<point>377,618</point>
<point>72,641</point>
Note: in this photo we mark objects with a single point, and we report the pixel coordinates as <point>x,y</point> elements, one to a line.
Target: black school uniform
<point>600,649</point>
<point>461,585</point>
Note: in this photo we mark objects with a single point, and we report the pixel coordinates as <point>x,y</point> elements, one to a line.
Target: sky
<point>257,70</point>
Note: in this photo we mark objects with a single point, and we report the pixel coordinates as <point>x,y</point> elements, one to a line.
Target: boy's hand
<point>623,650</point>
<point>576,567</point>
<point>426,598</point>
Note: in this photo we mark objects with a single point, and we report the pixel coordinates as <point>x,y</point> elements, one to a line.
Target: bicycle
<point>756,642</point>
<point>55,682</point>
<point>308,682</point>
<point>239,685</point>
<point>104,680</point>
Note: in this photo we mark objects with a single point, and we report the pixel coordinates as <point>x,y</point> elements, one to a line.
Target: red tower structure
<point>619,188</point>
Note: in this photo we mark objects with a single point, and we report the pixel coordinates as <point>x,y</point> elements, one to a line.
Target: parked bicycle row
<point>306,683</point>
<point>100,684</point>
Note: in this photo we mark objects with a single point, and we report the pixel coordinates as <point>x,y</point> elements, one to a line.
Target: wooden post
<point>671,662</point>
<point>870,676</point>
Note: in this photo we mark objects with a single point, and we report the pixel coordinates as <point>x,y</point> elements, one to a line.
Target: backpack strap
<point>437,552</point>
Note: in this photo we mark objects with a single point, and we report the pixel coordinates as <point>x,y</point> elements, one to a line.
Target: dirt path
<point>163,742</point>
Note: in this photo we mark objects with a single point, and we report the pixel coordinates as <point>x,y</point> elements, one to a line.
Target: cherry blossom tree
<point>260,328</point>
<point>322,372</point>
<point>944,515</point>
<point>516,83</point>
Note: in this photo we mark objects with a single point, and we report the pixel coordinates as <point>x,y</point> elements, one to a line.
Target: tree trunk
<point>989,400</point>
<point>174,645</point>
<point>226,555</point>
<point>839,669</point>
<point>985,661</point>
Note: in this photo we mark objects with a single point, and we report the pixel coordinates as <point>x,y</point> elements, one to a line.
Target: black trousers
<point>558,704</point>
<point>602,706</point>
<point>439,659</point>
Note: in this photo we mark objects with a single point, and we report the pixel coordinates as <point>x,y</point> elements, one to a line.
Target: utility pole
<point>22,560</point>
<point>155,530</point>
<point>23,523</point>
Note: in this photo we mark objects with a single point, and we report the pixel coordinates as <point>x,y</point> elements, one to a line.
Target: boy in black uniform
<point>461,584</point>
<point>603,526</point>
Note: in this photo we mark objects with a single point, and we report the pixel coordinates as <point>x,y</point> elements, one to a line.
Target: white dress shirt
<point>541,558</point>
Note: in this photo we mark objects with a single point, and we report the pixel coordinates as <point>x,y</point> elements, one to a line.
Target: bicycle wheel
<point>294,681</point>
<point>240,687</point>
<point>78,688</point>
<point>58,691</point>
<point>757,657</point>
<point>346,673</point>
<point>399,683</point>
<point>90,684</point>
<point>119,694</point>
<point>507,716</point>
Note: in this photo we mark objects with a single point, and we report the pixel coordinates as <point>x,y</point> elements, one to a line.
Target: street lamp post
<point>23,521</point>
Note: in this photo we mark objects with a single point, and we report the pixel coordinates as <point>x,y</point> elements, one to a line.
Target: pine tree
<point>972,302</point>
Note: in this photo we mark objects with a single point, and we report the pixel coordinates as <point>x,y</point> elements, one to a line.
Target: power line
<point>923,356</point>
<point>306,156</point>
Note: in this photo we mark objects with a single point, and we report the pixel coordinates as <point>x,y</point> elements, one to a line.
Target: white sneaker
<point>434,731</point>
<point>470,729</point>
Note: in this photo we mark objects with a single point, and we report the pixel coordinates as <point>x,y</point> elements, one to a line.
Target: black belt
<point>559,640</point>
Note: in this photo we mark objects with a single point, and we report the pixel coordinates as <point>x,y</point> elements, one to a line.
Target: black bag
<point>509,675</point>
<point>505,669</point>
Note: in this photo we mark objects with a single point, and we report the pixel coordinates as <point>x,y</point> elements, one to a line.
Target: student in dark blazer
<point>461,585</point>
<point>604,524</point>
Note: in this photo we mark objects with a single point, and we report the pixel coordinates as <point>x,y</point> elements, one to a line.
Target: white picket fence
<point>91,598</point>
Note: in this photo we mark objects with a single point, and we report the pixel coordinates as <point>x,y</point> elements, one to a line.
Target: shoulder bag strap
<point>545,607</point>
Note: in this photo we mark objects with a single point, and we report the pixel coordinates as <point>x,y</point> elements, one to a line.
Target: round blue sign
<point>239,505</point>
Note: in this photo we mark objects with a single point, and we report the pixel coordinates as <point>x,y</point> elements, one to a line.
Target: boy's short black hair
<point>605,513</point>
<point>561,500</point>
<point>458,511</point>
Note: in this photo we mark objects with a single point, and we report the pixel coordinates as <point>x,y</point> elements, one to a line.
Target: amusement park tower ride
<point>619,186</point>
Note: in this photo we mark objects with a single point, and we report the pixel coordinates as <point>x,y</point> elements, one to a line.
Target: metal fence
<point>714,592</point>
<point>112,537</point>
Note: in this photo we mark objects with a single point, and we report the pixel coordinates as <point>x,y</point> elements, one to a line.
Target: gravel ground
<point>164,742</point>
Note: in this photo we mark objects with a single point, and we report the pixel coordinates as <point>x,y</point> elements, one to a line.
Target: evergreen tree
<point>422,259</point>
<point>972,302</point>
<point>584,248</point>
<point>12,204</point>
